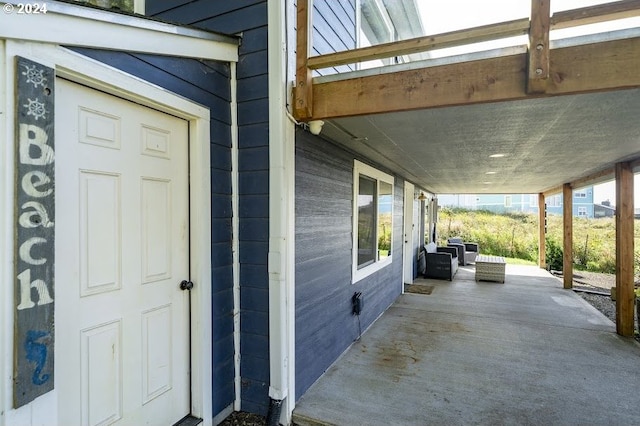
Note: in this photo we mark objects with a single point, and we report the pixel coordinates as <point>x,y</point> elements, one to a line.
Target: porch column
<point>542,231</point>
<point>624,249</point>
<point>567,257</point>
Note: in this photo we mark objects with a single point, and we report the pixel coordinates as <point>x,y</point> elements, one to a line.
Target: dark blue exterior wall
<point>334,30</point>
<point>207,83</point>
<point>248,17</point>
<point>325,326</point>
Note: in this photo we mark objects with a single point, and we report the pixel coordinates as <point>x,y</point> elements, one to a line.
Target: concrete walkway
<point>525,352</point>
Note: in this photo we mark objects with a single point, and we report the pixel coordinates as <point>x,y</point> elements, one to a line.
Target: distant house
<point>583,203</point>
<point>605,209</point>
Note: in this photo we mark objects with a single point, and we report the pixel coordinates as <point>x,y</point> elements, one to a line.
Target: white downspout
<point>281,262</point>
<point>235,226</point>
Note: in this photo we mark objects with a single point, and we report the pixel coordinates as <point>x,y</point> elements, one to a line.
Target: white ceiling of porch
<point>546,141</point>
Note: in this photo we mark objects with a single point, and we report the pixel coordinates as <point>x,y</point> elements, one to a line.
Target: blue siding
<point>207,83</point>
<point>334,30</point>
<point>248,17</point>
<point>324,194</point>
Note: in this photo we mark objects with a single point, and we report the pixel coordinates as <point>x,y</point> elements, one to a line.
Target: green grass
<point>515,236</point>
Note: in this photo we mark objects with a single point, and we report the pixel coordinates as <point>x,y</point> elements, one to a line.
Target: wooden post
<point>542,231</point>
<point>624,250</point>
<point>302,94</point>
<point>567,214</point>
<point>538,74</point>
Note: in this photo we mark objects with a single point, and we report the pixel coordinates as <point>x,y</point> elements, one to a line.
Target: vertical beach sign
<point>33,348</point>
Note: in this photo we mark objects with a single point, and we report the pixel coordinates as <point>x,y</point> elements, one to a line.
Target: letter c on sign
<point>25,251</point>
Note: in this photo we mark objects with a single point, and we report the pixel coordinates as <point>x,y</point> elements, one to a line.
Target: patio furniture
<point>490,268</point>
<point>470,250</point>
<point>441,262</point>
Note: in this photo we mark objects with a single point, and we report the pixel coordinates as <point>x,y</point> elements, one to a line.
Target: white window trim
<point>582,211</point>
<point>580,194</point>
<point>360,168</point>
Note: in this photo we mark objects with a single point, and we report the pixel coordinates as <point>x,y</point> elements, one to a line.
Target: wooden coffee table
<point>490,268</point>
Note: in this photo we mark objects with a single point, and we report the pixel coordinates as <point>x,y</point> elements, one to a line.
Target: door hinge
<point>186,285</point>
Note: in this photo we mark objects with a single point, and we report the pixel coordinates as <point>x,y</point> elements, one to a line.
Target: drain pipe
<point>275,409</point>
<point>281,269</point>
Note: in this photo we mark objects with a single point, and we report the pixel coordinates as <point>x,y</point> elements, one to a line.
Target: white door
<point>122,241</point>
<point>408,232</point>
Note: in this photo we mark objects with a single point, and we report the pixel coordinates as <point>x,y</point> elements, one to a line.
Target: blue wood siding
<point>324,194</point>
<point>207,83</point>
<point>248,17</point>
<point>334,30</point>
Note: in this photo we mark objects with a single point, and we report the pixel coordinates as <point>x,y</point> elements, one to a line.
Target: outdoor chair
<point>440,262</point>
<point>467,252</point>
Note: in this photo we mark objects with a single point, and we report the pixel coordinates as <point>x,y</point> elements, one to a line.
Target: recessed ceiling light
<point>497,155</point>
<point>491,173</point>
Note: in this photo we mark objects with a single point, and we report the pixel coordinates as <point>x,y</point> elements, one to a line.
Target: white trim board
<point>93,74</point>
<point>71,25</point>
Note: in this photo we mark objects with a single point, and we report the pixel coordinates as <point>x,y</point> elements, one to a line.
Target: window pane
<point>366,221</point>
<point>385,209</point>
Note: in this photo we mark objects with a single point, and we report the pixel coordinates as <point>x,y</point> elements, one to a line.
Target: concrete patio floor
<point>526,352</point>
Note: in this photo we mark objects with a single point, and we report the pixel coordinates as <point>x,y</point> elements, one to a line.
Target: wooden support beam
<point>539,47</point>
<point>595,14</point>
<point>624,250</point>
<point>580,69</point>
<point>422,44</point>
<point>303,91</point>
<point>567,242</point>
<point>542,231</point>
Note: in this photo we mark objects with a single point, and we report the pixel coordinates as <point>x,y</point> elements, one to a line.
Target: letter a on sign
<point>34,288</point>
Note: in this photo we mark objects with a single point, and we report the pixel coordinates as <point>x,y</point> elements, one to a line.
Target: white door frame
<point>88,72</point>
<point>407,260</point>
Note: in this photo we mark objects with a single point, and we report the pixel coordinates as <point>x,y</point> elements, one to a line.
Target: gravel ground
<point>582,280</point>
<point>594,282</point>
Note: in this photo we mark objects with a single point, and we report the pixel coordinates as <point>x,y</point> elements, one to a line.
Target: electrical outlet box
<point>356,303</point>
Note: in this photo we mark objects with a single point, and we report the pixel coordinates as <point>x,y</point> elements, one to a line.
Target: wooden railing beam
<point>595,14</point>
<point>422,44</point>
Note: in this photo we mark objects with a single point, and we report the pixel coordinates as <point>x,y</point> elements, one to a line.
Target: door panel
<point>122,245</point>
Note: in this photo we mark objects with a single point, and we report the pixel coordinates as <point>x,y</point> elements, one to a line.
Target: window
<point>372,220</point>
<point>554,201</point>
<point>507,200</point>
<point>579,194</point>
<point>582,212</point>
<point>533,200</point>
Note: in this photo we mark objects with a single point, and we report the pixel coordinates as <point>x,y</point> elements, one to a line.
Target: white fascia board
<point>81,26</point>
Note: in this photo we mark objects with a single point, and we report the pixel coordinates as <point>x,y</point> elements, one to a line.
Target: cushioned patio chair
<point>441,262</point>
<point>467,252</point>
